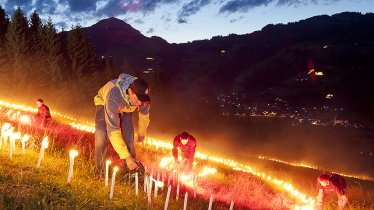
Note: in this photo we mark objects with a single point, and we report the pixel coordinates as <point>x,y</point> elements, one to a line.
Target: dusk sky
<point>179,21</point>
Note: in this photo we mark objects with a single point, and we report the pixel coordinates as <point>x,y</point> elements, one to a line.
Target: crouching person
<point>327,184</point>
<point>187,144</point>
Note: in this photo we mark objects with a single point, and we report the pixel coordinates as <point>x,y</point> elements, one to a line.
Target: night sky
<point>180,21</point>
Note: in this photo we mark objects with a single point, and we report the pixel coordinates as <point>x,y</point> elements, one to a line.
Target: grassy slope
<point>24,186</point>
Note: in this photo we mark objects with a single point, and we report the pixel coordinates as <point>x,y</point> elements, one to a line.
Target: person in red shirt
<point>43,117</point>
<point>187,144</point>
<point>327,183</point>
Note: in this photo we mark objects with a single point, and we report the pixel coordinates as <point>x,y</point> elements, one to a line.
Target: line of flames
<point>306,201</point>
<point>367,178</point>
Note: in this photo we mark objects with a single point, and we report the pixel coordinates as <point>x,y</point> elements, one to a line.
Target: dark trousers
<point>101,139</point>
<point>101,136</point>
<point>127,131</point>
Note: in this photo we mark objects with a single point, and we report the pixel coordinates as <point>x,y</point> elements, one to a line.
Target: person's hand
<point>131,163</point>
<point>184,161</point>
<point>141,139</point>
<point>342,201</point>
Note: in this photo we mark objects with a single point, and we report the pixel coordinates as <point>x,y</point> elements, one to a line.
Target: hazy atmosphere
<point>282,87</point>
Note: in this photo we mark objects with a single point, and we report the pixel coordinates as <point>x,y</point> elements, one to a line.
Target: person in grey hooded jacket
<point>115,103</point>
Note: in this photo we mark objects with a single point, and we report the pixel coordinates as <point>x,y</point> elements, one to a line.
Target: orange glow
<point>315,168</point>
<point>45,142</point>
<point>305,201</point>
<point>25,119</point>
<point>73,153</point>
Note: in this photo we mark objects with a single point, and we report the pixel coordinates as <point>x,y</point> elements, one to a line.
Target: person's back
<point>44,112</point>
<point>44,115</point>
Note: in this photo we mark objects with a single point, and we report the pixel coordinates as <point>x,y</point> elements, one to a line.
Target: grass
<point>23,186</point>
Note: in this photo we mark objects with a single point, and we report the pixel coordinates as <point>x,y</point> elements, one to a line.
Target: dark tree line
<point>35,58</point>
<point>34,51</point>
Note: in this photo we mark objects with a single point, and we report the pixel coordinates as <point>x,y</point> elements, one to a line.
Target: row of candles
<point>8,134</point>
<point>308,201</point>
<point>54,114</point>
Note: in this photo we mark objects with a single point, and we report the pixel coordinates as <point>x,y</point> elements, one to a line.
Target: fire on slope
<point>302,200</point>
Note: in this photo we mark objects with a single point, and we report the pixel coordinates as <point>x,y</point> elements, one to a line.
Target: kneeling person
<point>187,144</point>
<point>326,184</point>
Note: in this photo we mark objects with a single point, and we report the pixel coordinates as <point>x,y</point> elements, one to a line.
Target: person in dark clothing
<point>187,144</point>
<point>43,117</point>
<point>327,183</point>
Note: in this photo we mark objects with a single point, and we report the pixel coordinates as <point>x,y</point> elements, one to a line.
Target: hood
<point>123,82</point>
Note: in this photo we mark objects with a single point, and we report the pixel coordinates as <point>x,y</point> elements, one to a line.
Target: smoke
<point>331,148</point>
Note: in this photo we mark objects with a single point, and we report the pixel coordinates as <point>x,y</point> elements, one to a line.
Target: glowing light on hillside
<point>207,171</point>
<point>25,119</point>
<point>329,96</point>
<point>367,178</point>
<point>306,201</point>
<point>23,141</point>
<point>300,197</point>
<point>107,163</point>
<point>43,146</point>
<point>72,154</point>
<point>113,182</point>
<point>82,127</point>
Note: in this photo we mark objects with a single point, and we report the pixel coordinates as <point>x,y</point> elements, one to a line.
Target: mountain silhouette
<point>269,63</point>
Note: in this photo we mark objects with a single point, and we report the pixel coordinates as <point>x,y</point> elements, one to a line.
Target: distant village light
<point>223,51</point>
<point>319,73</point>
<point>150,58</point>
<point>329,96</point>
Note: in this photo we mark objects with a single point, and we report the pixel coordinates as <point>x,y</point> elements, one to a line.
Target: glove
<point>131,163</point>
<point>141,139</point>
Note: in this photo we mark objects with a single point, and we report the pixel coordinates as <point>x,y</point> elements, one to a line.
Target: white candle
<point>185,201</point>
<point>211,202</point>
<point>194,186</point>
<point>15,136</point>
<point>42,148</point>
<point>167,198</point>
<point>145,183</point>
<point>163,176</point>
<point>113,181</point>
<point>10,147</point>
<point>23,141</point>
<point>232,205</point>
<point>177,196</point>
<point>157,183</point>
<point>72,155</point>
<point>136,184</point>
<point>4,134</point>
<point>150,184</point>
<point>9,132</point>
<point>169,178</point>
<point>108,162</point>
<point>149,190</point>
